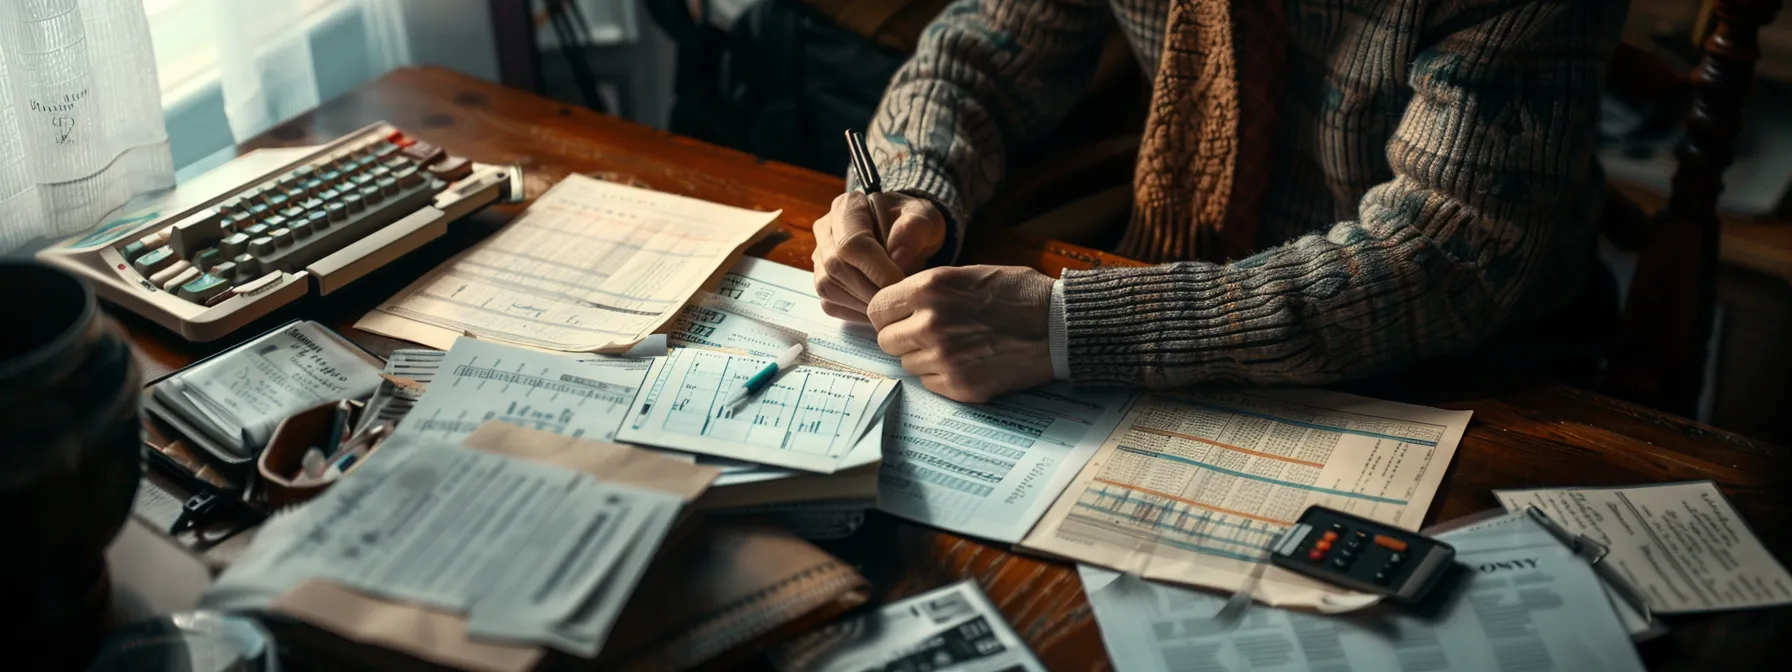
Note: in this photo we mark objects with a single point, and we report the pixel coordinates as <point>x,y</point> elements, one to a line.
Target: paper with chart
<point>518,548</point>
<point>590,266</point>
<point>810,418</point>
<point>478,381</point>
<point>954,628</point>
<point>988,470</point>
<point>1528,604</point>
<point>1682,544</point>
<point>1190,489</point>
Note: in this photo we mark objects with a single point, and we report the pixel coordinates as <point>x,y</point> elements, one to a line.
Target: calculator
<point>1363,555</point>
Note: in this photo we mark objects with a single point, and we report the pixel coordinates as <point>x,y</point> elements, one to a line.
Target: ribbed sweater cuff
<point>1132,326</point>
<point>1058,334</point>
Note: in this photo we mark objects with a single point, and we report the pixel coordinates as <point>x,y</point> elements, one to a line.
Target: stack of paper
<point>1527,603</point>
<point>988,470</point>
<point>525,552</point>
<point>231,403</point>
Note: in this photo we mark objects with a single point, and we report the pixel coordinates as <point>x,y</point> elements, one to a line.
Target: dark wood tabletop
<point>1522,434</point>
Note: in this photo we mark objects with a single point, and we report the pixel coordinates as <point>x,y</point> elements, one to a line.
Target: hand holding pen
<point>871,239</point>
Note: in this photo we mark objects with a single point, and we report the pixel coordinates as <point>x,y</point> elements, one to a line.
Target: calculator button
<point>1346,554</point>
<point>1396,559</point>
<point>207,258</point>
<point>453,169</point>
<point>181,278</point>
<point>260,246</point>
<point>247,267</point>
<point>234,244</point>
<point>204,287</point>
<point>371,195</point>
<point>155,260</point>
<point>1390,543</point>
<point>259,230</point>
<point>1329,536</point>
<point>1341,562</point>
<point>133,250</point>
<point>1316,555</point>
<point>1382,577</point>
<point>1354,544</point>
<point>1322,545</point>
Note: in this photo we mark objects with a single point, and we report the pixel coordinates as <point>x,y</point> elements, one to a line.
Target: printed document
<point>479,381</point>
<point>809,418</point>
<point>239,396</point>
<point>987,470</point>
<point>1192,488</point>
<point>954,628</point>
<point>590,266</point>
<point>1527,603</point>
<point>1682,544</point>
<point>518,547</point>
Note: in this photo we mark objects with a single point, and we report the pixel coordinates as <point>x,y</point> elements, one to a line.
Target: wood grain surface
<point>1524,434</point>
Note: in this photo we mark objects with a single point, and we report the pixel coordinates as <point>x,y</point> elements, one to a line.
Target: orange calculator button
<point>1329,536</point>
<point>1390,543</point>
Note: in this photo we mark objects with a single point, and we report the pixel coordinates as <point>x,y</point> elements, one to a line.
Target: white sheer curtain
<point>80,115</point>
<point>265,63</point>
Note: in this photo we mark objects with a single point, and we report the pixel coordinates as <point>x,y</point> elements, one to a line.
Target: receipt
<point>1682,544</point>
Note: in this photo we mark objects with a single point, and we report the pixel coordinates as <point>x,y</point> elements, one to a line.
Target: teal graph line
<point>1265,479</point>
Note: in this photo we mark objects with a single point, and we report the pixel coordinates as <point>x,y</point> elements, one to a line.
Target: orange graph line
<point>1191,502</point>
<point>1247,451</point>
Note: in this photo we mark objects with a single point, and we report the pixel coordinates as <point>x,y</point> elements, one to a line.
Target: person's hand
<point>971,333</point>
<point>850,263</point>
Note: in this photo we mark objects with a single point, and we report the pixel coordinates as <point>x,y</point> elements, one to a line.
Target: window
<point>186,45</point>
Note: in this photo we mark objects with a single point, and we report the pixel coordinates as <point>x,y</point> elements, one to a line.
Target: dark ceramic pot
<point>70,460</point>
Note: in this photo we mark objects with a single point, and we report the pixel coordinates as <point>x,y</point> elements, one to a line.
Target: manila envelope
<point>441,637</point>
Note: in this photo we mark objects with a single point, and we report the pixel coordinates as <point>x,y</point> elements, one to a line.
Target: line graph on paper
<point>1221,475</point>
<point>806,409</point>
<point>482,381</point>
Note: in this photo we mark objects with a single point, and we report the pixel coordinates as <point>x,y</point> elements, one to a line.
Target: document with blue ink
<point>988,470</point>
<point>810,418</point>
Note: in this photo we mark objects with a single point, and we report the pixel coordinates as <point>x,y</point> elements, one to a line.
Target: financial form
<point>478,381</point>
<point>590,266</point>
<point>988,470</point>
<point>1527,603</point>
<point>1191,489</point>
<point>809,418</point>
<point>1682,544</point>
<point>519,548</point>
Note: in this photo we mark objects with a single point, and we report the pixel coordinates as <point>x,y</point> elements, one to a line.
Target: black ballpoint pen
<point>869,182</point>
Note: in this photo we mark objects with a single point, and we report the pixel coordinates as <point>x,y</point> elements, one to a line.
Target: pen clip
<point>191,511</point>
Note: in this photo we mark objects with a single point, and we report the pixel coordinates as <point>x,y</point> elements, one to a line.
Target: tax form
<point>516,546</point>
<point>478,381</point>
<point>1528,604</point>
<point>809,418</point>
<point>1192,488</point>
<point>1682,544</point>
<point>590,266</point>
<point>987,470</point>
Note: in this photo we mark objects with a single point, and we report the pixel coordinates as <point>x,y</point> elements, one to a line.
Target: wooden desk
<point>1523,436</point>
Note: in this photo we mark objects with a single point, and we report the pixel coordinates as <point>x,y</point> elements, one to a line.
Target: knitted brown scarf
<point>1204,161</point>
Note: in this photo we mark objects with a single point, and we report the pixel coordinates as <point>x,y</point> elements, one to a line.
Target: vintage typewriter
<point>257,233</point>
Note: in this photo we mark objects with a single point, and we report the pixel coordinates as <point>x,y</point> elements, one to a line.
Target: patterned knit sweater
<point>1432,179</point>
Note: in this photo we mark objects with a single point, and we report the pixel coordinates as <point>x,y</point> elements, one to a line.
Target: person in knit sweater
<point>1332,189</point>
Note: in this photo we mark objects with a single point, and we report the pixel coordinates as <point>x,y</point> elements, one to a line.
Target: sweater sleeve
<point>987,74</point>
<point>1490,209</point>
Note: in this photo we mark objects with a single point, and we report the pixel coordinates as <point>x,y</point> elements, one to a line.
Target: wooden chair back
<point>1659,358</point>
